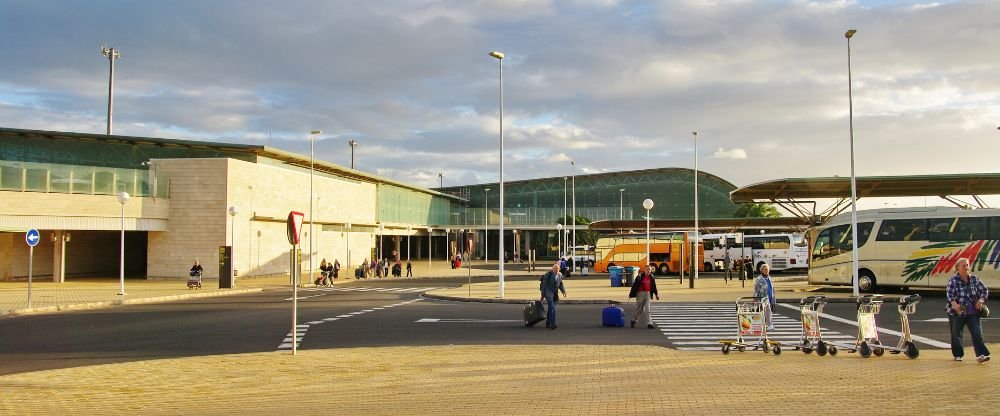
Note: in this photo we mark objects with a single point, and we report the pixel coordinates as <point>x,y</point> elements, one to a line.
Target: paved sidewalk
<point>506,380</point>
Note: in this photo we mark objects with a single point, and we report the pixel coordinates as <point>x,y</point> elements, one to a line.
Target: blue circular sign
<point>32,237</point>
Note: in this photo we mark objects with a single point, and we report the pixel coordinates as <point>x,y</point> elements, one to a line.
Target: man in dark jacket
<point>643,290</point>
<point>550,286</point>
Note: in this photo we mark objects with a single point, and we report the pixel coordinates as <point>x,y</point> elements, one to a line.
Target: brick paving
<point>505,379</point>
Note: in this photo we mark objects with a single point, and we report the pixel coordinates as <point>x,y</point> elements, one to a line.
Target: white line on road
<point>456,320</point>
<point>925,340</point>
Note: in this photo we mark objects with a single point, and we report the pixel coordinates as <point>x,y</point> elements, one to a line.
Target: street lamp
<point>353,145</point>
<point>648,204</point>
<point>441,180</point>
<point>348,246</point>
<point>697,261</point>
<point>232,243</point>
<point>429,251</point>
<point>111,54</point>
<point>486,227</point>
<point>123,197</point>
<point>381,234</point>
<point>854,186</point>
<point>460,243</point>
<point>573,247</point>
<point>559,236</point>
<point>447,244</point>
<point>409,230</point>
<point>312,142</point>
<point>499,56</point>
<point>621,204</point>
<point>566,223</point>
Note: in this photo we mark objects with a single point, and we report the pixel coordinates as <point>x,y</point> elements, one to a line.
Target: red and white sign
<point>294,226</point>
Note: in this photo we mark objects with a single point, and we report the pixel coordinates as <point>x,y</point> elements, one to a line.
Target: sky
<point>612,85</point>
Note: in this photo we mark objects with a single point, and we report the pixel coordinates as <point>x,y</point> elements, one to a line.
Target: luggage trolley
<point>868,307</point>
<point>907,306</point>
<point>750,312</point>
<point>812,333</point>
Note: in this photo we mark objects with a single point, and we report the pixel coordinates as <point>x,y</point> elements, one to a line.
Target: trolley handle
<point>812,299</point>
<point>749,299</point>
<point>866,299</point>
<point>909,300</point>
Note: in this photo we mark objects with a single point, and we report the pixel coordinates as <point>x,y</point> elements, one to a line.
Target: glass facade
<point>402,205</point>
<point>76,179</point>
<point>598,197</point>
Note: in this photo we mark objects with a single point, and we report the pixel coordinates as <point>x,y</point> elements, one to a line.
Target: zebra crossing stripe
<point>698,327</point>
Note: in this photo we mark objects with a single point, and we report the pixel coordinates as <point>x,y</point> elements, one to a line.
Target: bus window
<point>838,240</point>
<point>994,228</point>
<point>903,230</point>
<point>970,229</point>
<point>798,240</point>
<point>777,243</point>
<point>939,229</point>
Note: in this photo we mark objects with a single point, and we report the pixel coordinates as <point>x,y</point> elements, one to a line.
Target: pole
<point>348,247</point>
<point>312,145</point>
<point>295,300</point>
<point>565,223</point>
<point>486,227</point>
<point>121,257</point>
<point>232,252</point>
<point>572,249</point>
<point>621,204</point>
<point>647,238</point>
<point>112,54</point>
<point>429,251</point>
<point>31,263</point>
<point>854,186</point>
<point>697,232</point>
<point>499,56</point>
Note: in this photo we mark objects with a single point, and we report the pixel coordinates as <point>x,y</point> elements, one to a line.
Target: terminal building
<point>189,198</point>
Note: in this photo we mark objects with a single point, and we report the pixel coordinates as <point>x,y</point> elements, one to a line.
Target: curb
<point>111,303</point>
<point>517,301</point>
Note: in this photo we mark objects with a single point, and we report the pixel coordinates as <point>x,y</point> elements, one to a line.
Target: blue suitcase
<point>613,316</point>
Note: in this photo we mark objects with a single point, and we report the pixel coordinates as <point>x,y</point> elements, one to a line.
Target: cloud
<point>734,153</point>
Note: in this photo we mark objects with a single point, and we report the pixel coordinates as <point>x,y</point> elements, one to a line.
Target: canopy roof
<point>870,186</point>
<point>705,224</point>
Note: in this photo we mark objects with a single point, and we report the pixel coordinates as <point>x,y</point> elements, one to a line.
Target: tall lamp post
<point>854,186</point>
<point>409,230</point>
<point>429,251</point>
<point>565,223</point>
<point>572,249</point>
<point>381,234</point>
<point>486,226</point>
<point>499,56</point>
<point>621,204</point>
<point>123,197</point>
<point>111,54</point>
<point>697,231</point>
<point>353,145</point>
<point>312,142</point>
<point>447,244</point>
<point>441,180</point>
<point>648,204</point>
<point>559,235</point>
<point>232,243</point>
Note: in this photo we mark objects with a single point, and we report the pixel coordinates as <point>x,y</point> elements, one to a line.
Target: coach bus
<point>630,250</point>
<point>909,247</point>
<point>783,251</point>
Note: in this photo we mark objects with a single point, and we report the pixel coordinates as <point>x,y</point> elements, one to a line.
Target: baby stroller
<point>397,270</point>
<point>194,281</point>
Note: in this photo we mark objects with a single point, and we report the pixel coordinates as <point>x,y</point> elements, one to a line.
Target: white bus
<point>907,247</point>
<point>785,251</point>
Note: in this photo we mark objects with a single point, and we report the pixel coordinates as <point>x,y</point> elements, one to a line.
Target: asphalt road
<point>379,313</point>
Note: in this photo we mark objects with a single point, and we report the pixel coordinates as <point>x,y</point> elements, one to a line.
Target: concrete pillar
<point>59,256</point>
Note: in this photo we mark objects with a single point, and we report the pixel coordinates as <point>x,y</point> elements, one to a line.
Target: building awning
<point>794,193</point>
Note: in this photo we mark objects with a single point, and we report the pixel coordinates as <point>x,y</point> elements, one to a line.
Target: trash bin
<point>631,273</point>
<point>616,275</point>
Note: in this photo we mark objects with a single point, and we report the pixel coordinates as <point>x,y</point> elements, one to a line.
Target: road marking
<point>700,326</point>
<point>302,329</point>
<point>457,320</point>
<point>928,341</point>
<point>307,297</point>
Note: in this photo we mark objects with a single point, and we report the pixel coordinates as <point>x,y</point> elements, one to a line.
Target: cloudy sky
<point>614,85</point>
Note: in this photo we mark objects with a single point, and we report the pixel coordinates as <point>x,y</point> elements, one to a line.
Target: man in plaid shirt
<point>966,297</point>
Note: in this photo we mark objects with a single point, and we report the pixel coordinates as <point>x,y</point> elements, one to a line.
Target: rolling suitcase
<point>613,316</point>
<point>534,312</point>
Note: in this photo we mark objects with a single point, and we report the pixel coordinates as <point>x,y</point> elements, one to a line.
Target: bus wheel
<point>866,281</point>
<point>663,269</point>
<point>709,267</point>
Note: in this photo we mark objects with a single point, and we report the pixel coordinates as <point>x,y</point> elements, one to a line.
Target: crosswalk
<point>700,326</point>
<point>368,289</point>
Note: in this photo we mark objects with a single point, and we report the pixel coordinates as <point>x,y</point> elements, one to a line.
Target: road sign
<point>32,237</point>
<point>294,226</point>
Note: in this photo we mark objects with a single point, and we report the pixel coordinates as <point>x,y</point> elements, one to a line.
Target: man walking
<point>763,288</point>
<point>643,290</point>
<point>551,285</point>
